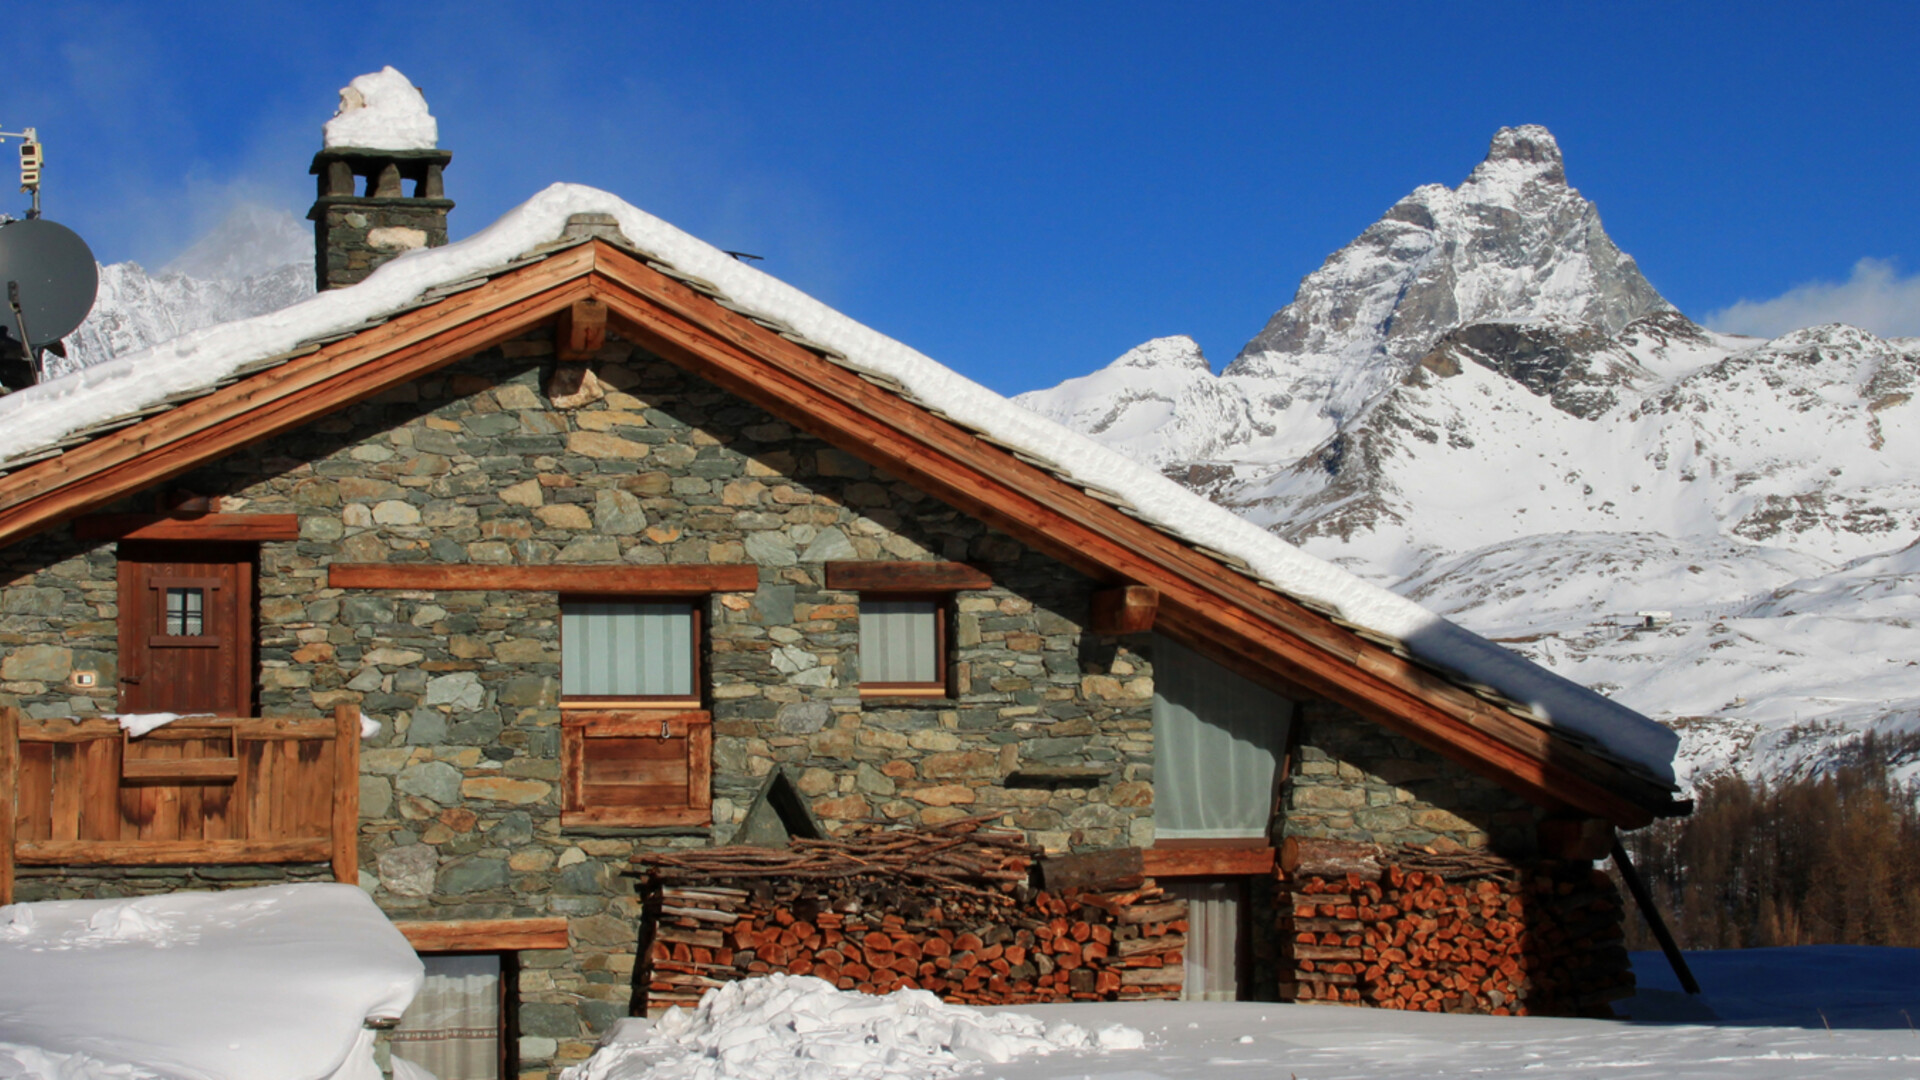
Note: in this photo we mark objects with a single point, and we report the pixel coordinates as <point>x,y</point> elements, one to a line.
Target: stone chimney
<point>380,192</point>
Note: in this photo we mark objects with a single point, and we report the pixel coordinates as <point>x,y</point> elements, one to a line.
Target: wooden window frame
<point>675,702</point>
<point>941,685</point>
<point>580,730</point>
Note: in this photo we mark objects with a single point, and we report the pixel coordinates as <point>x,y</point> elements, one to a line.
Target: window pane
<point>185,614</point>
<point>899,641</point>
<point>1216,739</point>
<point>626,649</point>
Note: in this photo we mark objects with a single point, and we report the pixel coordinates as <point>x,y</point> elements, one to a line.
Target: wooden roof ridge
<point>1210,601</point>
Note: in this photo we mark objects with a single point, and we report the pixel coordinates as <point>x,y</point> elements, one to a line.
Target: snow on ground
<point>273,983</point>
<point>796,1027</point>
<point>1760,1018</point>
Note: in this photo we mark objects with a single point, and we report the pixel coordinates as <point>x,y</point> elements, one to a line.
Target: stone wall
<point>459,791</point>
<point>1354,780</point>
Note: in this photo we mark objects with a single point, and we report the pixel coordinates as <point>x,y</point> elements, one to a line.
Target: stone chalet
<point>606,554</point>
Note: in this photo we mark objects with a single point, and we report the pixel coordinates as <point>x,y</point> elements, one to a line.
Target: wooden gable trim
<point>213,528</point>
<point>266,404</point>
<point>620,579</point>
<point>484,935</point>
<point>905,577</point>
<point>1198,594</point>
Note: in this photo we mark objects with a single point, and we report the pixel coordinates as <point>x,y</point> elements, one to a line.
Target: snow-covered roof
<point>35,422</point>
<point>382,111</point>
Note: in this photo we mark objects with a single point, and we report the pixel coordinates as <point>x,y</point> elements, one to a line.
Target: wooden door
<point>186,628</point>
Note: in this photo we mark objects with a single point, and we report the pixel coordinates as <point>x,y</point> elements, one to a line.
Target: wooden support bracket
<point>9,794</point>
<point>581,332</point>
<point>1129,609</point>
<point>344,828</point>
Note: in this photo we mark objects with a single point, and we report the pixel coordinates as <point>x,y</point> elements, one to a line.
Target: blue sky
<point>1024,191</point>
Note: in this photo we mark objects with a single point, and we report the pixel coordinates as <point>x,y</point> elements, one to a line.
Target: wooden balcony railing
<point>195,792</point>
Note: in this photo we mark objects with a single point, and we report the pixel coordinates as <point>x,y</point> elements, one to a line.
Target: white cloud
<point>1875,298</point>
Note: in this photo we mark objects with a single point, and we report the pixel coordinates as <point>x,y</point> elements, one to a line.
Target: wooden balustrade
<point>198,791</point>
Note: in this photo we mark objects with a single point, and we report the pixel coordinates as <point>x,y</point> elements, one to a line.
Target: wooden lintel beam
<point>581,332</point>
<point>485,935</point>
<point>1163,862</point>
<point>905,577</point>
<point>213,528</point>
<point>1128,609</point>
<point>622,579</point>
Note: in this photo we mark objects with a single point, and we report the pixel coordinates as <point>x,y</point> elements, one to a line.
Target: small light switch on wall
<point>84,680</point>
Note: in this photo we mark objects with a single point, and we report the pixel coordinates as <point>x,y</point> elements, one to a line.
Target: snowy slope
<point>1482,404</point>
<point>255,261</point>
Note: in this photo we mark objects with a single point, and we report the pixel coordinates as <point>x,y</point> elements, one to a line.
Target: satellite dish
<point>56,274</point>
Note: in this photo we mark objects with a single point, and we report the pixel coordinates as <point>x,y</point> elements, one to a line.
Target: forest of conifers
<point>1832,859</point>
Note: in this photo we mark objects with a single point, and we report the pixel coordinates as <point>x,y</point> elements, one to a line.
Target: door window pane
<point>452,1029</point>
<point>1213,951</point>
<point>1216,740</point>
<point>899,641</point>
<point>186,613</point>
<point>626,649</point>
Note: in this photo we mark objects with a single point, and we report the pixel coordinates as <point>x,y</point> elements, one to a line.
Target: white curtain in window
<point>623,648</point>
<point>1213,939</point>
<point>1216,741</point>
<point>899,641</point>
<point>452,1029</point>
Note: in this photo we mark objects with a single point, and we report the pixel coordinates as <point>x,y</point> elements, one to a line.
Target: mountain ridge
<point>1481,403</point>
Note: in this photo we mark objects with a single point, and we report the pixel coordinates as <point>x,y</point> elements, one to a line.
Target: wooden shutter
<point>635,767</point>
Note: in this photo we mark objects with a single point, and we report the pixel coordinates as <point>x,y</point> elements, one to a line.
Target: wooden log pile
<point>1410,928</point>
<point>952,909</point>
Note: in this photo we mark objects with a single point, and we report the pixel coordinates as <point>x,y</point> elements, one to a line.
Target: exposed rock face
<point>1512,243</point>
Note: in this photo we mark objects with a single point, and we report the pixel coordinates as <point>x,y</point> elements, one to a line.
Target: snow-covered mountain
<point>1482,403</point>
<point>255,261</point>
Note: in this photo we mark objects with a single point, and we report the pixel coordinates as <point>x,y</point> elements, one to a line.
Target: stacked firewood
<point>950,909</point>
<point>1450,932</point>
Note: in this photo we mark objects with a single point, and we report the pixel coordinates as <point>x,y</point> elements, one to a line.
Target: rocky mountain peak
<point>1165,353</point>
<point>1527,148</point>
<point>1512,244</point>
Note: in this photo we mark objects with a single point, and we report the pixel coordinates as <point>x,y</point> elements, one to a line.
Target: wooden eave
<point>1204,602</point>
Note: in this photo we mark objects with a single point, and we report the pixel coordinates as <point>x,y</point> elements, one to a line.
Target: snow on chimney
<point>381,138</point>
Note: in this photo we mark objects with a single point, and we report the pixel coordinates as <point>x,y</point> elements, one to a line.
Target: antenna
<point>48,274</point>
<point>33,158</point>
